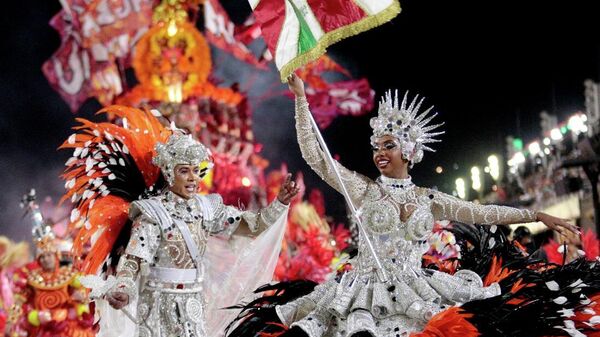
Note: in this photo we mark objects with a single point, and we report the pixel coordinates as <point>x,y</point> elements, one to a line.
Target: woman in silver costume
<point>398,216</point>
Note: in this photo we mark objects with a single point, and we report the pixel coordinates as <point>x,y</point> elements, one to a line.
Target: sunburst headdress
<point>407,125</point>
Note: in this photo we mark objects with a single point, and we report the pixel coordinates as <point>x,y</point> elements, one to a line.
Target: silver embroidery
<point>168,308</point>
<point>399,217</point>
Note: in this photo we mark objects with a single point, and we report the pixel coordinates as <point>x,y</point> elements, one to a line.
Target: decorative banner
<point>93,35</point>
<point>68,72</point>
<point>106,83</point>
<point>220,31</point>
<point>331,99</point>
<point>299,31</point>
<point>110,28</point>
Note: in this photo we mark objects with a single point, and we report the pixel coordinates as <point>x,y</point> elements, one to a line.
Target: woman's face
<point>387,156</point>
<point>187,179</point>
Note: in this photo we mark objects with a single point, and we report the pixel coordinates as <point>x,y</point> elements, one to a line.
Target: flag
<point>299,31</point>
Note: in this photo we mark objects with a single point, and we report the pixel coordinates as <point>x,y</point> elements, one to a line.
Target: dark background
<point>489,67</point>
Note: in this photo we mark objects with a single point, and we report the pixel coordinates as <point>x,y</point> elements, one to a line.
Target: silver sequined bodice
<point>398,243</point>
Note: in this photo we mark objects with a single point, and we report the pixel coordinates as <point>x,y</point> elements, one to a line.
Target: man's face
<point>187,179</point>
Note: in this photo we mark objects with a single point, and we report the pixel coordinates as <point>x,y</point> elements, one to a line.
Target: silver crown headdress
<point>179,149</point>
<point>406,124</point>
<point>42,233</point>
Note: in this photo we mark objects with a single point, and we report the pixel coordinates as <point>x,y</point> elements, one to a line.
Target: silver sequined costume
<point>170,298</point>
<point>398,217</point>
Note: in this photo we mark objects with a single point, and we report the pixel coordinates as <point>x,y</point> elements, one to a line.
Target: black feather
<point>531,310</point>
<point>259,315</point>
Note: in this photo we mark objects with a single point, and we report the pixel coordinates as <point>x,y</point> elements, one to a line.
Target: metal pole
<point>381,273</point>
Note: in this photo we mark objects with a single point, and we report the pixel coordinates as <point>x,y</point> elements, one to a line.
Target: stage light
<point>494,165</point>
<point>534,148</point>
<point>555,134</point>
<point>576,124</point>
<point>476,178</point>
<point>460,188</point>
<point>517,159</point>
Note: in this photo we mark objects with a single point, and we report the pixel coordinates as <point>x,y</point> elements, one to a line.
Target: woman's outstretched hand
<point>557,224</point>
<point>296,85</point>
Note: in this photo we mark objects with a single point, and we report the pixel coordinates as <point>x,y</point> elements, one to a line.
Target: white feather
<point>552,285</point>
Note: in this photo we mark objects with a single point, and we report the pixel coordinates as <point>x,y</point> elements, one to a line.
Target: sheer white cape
<point>235,268</point>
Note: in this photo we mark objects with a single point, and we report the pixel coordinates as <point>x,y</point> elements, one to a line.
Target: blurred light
<point>439,170</point>
<point>518,144</point>
<point>175,93</point>
<point>584,118</point>
<point>476,178</point>
<point>547,151</point>
<point>494,188</point>
<point>246,181</point>
<point>172,28</point>
<point>555,134</point>
<point>534,148</point>
<point>576,124</point>
<point>494,164</point>
<point>517,159</point>
<point>584,129</point>
<point>546,141</point>
<point>486,169</point>
<point>563,130</point>
<point>460,188</point>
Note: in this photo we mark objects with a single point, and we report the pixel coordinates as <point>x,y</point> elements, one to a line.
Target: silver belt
<point>174,275</point>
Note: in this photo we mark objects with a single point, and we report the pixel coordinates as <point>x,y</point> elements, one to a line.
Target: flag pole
<point>381,273</point>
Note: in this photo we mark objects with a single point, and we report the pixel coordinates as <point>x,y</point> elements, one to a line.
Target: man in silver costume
<point>397,216</point>
<point>169,240</point>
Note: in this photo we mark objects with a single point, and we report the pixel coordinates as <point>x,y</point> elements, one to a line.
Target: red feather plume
<point>111,166</point>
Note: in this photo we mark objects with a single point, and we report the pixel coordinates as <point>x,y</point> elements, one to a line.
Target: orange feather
<point>103,217</point>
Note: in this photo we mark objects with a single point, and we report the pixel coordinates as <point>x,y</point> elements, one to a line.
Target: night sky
<point>489,67</point>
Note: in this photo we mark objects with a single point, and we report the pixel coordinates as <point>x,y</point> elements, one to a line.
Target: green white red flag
<point>299,31</point>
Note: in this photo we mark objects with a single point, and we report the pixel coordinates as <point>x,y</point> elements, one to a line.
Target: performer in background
<point>387,292</point>
<point>13,256</point>
<point>49,299</point>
